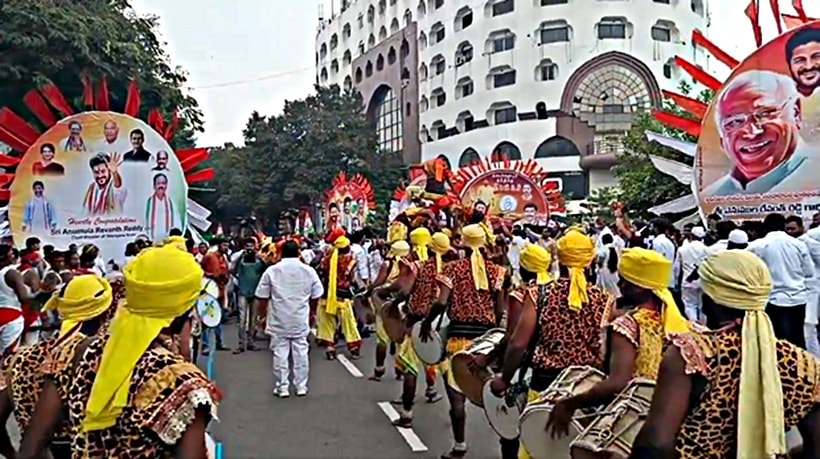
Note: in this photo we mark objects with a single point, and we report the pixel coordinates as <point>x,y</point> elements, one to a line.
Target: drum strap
<point>526,363</point>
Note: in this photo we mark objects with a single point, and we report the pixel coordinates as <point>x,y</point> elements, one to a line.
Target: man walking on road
<point>292,288</point>
<point>248,270</point>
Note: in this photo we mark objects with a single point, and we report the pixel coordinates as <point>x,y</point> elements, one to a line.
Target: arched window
<point>368,69</point>
<point>391,56</point>
<point>408,17</point>
<point>555,147</point>
<point>348,83</point>
<point>506,150</point>
<point>380,63</point>
<point>386,113</point>
<point>359,75</point>
<point>468,157</point>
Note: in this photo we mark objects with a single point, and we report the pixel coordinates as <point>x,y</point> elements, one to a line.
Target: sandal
<point>454,454</point>
<point>405,423</point>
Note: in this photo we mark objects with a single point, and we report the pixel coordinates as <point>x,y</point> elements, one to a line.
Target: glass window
<point>504,79</point>
<point>553,2</point>
<point>503,43</point>
<point>505,115</point>
<point>503,7</point>
<point>389,123</point>
<point>661,34</point>
<point>611,29</point>
<point>556,35</point>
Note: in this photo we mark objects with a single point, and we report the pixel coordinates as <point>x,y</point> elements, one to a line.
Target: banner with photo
<point>349,202</point>
<point>100,177</point>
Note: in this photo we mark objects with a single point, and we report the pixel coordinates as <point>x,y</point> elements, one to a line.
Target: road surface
<point>344,415</point>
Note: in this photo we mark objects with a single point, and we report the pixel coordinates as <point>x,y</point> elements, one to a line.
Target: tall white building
<point>555,80</point>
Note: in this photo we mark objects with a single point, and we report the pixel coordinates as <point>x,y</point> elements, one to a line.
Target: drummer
<point>572,313</point>
<point>636,339</point>
<point>84,305</point>
<point>732,391</point>
<point>336,309</point>
<point>389,272</point>
<point>419,278</point>
<point>473,287</point>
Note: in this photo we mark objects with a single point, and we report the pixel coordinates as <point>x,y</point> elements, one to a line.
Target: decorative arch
<point>610,58</point>
<point>468,157</point>
<point>506,150</point>
<point>556,146</point>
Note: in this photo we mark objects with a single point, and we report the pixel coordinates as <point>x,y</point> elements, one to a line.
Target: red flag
<point>714,50</point>
<point>775,4</point>
<point>132,103</point>
<point>798,6</point>
<point>102,95</point>
<point>752,13</point>
<point>35,102</point>
<point>88,91</point>
<point>172,127</point>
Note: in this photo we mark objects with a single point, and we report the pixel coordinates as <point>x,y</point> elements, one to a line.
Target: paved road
<point>342,417</point>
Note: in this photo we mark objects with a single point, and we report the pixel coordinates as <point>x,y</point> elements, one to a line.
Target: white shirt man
<point>664,246</point>
<point>514,256</point>
<point>289,289</point>
<point>688,258</point>
<point>362,264</point>
<point>812,240</point>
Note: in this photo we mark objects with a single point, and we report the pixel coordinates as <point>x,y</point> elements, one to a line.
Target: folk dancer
<point>418,283</point>
<point>217,269</point>
<point>474,289</point>
<point>636,339</point>
<point>561,323</point>
<point>420,238</point>
<point>84,305</point>
<point>389,272</point>
<point>133,379</point>
<point>336,308</point>
<point>732,391</point>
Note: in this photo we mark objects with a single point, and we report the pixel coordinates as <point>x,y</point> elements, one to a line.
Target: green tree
<point>291,159</point>
<point>58,41</point>
<point>641,184</point>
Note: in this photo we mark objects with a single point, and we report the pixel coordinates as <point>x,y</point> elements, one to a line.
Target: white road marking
<point>349,366</point>
<point>409,435</point>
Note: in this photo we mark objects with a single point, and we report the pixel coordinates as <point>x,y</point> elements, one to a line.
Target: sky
<point>247,55</point>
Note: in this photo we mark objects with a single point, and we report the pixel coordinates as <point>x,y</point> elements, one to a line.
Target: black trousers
<point>787,322</point>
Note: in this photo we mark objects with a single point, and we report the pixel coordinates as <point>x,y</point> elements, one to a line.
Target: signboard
<point>349,202</point>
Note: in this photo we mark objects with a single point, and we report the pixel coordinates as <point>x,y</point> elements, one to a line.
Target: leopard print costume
<point>568,337</point>
<point>467,304</point>
<point>644,329</point>
<point>425,290</point>
<point>165,392</point>
<point>710,428</point>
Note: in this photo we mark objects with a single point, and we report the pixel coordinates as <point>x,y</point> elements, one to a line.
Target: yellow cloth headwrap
<point>399,249</point>
<point>536,260</point>
<point>440,246</point>
<point>161,284</point>
<point>576,251</point>
<point>738,279</point>
<point>83,298</point>
<point>178,241</point>
<point>650,270</point>
<point>332,278</point>
<point>475,237</point>
<point>397,232</point>
<point>420,238</point>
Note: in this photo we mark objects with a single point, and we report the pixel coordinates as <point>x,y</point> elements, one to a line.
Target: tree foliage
<point>291,159</point>
<point>58,41</point>
<point>641,184</point>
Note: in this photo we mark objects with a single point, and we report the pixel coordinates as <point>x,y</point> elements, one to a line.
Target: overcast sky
<point>247,55</point>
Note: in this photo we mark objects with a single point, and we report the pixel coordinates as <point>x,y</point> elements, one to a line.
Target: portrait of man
<point>526,191</point>
<point>138,153</point>
<point>530,214</point>
<point>38,214</point>
<point>161,161</point>
<point>106,194</point>
<point>803,57</point>
<point>160,216</point>
<point>480,206</point>
<point>333,220</point>
<point>758,119</point>
<point>346,216</point>
<point>47,165</point>
<point>74,141</point>
<point>112,142</point>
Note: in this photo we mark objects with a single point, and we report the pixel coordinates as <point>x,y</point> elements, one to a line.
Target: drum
<point>539,443</point>
<point>615,428</point>
<point>503,413</point>
<point>471,378</point>
<point>393,320</point>
<point>433,351</point>
<point>209,287</point>
<point>210,313</point>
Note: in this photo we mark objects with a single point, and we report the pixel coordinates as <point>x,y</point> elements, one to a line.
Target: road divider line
<point>349,366</point>
<point>410,437</point>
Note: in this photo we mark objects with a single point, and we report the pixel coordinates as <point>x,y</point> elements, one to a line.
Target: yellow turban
<point>650,270</point>
<point>576,251</point>
<point>161,284</point>
<point>738,279</point>
<point>332,278</point>
<point>440,246</point>
<point>177,241</point>
<point>397,232</point>
<point>420,238</point>
<point>447,232</point>
<point>399,249</point>
<point>475,237</point>
<point>83,298</point>
<point>536,260</point>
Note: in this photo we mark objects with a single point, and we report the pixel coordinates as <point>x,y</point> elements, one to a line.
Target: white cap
<point>698,232</point>
<point>738,237</point>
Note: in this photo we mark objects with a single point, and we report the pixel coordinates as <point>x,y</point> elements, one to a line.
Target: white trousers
<point>285,351</point>
<point>812,343</point>
<point>692,304</point>
<point>10,334</point>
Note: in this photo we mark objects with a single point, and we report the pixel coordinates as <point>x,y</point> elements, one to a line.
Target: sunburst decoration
<point>416,177</point>
<point>357,184</point>
<point>529,168</point>
<point>47,102</point>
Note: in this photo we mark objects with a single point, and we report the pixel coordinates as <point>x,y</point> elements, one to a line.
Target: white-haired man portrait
<point>758,117</point>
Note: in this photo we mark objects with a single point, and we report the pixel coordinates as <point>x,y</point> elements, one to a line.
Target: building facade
<point>559,81</point>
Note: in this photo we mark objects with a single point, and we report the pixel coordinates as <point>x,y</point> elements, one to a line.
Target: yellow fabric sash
<point>332,281</point>
<point>474,238</point>
<point>576,251</point>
